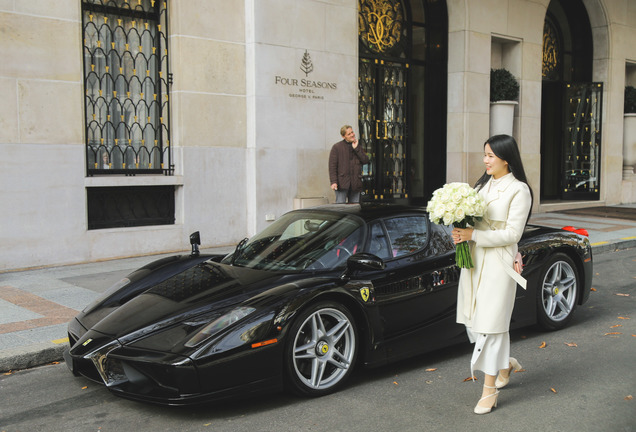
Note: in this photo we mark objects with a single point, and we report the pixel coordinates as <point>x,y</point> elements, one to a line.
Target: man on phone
<point>345,167</point>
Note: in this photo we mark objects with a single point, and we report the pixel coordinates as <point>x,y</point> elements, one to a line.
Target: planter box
<point>502,114</point>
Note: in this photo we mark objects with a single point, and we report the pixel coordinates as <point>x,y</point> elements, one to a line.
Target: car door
<point>416,294</point>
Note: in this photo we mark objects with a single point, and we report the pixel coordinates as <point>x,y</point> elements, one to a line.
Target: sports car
<point>299,306</point>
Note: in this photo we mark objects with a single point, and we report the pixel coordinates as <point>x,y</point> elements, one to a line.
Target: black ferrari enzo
<point>300,305</point>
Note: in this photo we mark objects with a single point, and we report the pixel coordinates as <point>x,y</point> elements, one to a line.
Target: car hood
<point>193,292</point>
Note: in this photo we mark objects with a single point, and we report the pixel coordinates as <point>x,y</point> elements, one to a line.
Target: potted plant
<point>504,93</point>
<point>629,132</point>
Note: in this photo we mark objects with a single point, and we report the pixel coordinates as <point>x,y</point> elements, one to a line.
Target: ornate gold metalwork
<point>550,50</point>
<point>381,24</point>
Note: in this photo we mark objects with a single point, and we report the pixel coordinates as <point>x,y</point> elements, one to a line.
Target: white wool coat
<point>486,293</point>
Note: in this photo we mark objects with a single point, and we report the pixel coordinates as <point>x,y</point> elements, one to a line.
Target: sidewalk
<point>36,305</point>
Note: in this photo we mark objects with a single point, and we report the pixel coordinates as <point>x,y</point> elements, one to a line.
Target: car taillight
<point>581,231</point>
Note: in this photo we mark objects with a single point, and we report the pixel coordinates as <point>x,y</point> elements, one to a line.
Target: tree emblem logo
<point>306,65</point>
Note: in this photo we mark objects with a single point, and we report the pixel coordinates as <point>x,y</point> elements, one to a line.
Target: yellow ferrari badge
<point>364,293</point>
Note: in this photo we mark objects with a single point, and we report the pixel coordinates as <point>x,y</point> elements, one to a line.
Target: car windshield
<point>302,240</point>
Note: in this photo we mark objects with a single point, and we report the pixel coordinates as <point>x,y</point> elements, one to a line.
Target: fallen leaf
<point>471,379</point>
<point>395,382</point>
<point>634,335</point>
<point>553,390</point>
<point>592,289</point>
<point>520,370</point>
<point>612,333</point>
<point>623,317</point>
<point>543,345</point>
<point>571,344</point>
<point>629,397</point>
<point>617,325</point>
<point>429,382</point>
<point>8,373</point>
<point>622,295</point>
<point>84,388</point>
<point>431,369</point>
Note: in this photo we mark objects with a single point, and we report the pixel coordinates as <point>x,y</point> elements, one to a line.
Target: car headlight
<point>219,324</point>
<point>110,370</point>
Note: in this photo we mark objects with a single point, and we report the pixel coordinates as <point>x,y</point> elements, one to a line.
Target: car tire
<point>321,349</point>
<point>557,293</point>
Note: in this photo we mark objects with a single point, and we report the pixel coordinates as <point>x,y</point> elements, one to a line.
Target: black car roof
<point>370,211</point>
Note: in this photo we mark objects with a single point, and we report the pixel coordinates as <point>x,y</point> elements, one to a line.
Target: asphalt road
<point>582,380</point>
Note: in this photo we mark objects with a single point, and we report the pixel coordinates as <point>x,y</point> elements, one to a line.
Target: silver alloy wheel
<point>558,291</point>
<point>324,348</point>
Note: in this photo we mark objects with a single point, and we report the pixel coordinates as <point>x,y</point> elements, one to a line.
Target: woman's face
<point>494,166</point>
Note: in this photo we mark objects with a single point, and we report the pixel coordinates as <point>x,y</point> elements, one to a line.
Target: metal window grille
<point>130,206</point>
<point>127,81</point>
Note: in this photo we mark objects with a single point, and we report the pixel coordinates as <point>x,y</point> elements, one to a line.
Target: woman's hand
<point>462,234</point>
<point>518,264</point>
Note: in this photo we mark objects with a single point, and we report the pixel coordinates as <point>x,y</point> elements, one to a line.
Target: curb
<point>603,247</point>
<point>31,356</point>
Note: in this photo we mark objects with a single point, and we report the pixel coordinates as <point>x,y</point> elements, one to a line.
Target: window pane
<point>406,234</point>
<point>419,43</point>
<point>378,244</point>
<point>417,11</point>
<point>417,92</point>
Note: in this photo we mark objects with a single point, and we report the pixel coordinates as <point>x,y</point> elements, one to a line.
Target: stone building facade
<point>249,95</point>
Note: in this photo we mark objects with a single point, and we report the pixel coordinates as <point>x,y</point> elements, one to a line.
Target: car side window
<point>406,234</point>
<point>378,244</point>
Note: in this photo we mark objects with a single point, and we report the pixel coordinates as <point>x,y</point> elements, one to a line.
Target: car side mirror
<point>364,261</point>
<point>195,241</point>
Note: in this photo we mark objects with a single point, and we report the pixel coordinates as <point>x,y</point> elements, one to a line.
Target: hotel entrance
<point>571,106</point>
<point>402,92</point>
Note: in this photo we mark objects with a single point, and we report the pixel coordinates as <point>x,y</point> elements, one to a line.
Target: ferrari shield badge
<point>364,293</point>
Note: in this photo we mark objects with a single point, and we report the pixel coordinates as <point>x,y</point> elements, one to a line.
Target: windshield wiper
<point>239,248</point>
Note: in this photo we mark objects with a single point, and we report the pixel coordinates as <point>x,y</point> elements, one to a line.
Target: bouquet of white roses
<point>457,204</point>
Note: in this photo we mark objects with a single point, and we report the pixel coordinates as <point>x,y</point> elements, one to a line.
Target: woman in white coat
<point>486,293</point>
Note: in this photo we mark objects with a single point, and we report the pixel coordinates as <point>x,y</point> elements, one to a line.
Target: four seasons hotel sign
<point>305,87</point>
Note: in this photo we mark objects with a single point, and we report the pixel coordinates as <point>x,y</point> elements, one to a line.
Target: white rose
<point>459,214</point>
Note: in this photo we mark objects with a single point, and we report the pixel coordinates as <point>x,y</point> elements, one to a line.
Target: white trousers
<point>491,353</point>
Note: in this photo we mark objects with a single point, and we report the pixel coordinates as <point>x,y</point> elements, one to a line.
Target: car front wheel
<point>321,350</point>
<point>557,293</point>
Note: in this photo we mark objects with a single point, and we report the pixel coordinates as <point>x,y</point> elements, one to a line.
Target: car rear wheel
<point>558,292</point>
<point>321,350</point>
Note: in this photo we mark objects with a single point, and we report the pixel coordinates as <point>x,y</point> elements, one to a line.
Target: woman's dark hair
<point>505,148</point>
